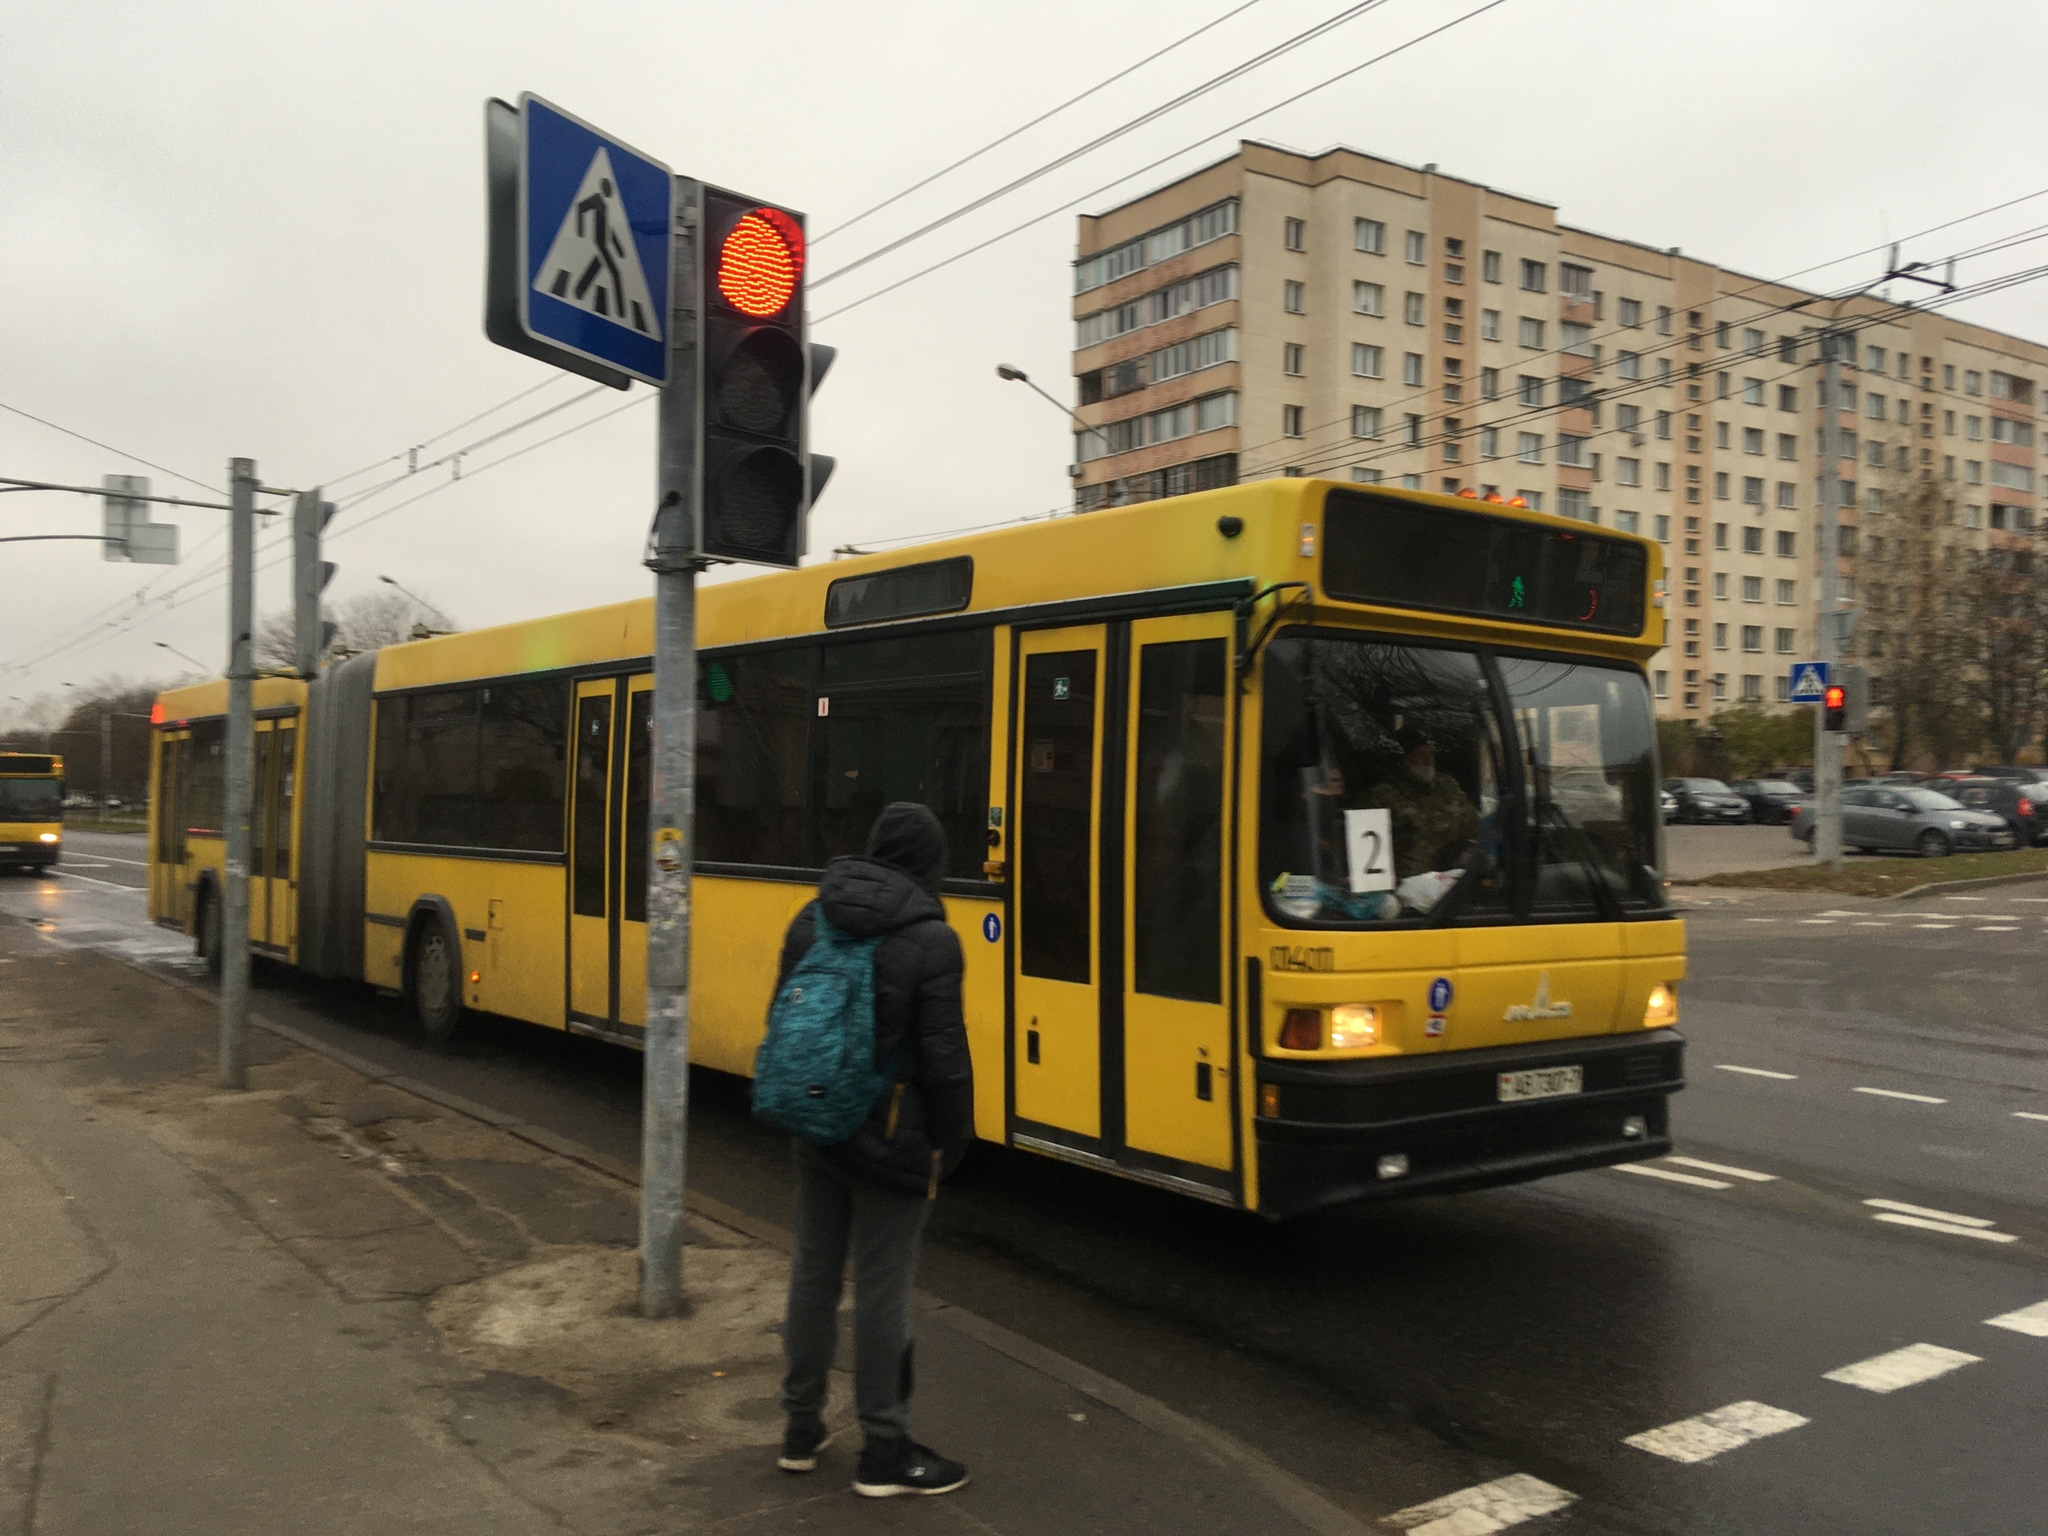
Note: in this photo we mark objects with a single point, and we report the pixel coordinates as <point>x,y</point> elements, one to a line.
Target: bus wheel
<point>206,932</point>
<point>437,982</point>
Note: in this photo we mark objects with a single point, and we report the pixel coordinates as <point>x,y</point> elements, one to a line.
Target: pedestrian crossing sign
<point>1809,682</point>
<point>595,222</point>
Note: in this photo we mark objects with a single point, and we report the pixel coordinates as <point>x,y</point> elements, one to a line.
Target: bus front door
<point>593,878</point>
<point>168,897</point>
<point>1122,1050</point>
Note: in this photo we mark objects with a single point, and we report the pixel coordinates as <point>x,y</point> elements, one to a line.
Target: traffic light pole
<point>234,902</point>
<point>672,793</point>
<point>1827,744</point>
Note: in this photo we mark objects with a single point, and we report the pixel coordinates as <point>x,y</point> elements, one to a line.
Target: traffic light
<point>312,635</point>
<point>756,372</point>
<point>1835,702</point>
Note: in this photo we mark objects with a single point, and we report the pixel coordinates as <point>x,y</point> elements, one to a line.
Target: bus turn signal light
<point>1302,1030</point>
<point>1269,1100</point>
<point>1663,1009</point>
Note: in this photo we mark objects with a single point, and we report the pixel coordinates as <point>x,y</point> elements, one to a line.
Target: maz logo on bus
<point>1283,958</point>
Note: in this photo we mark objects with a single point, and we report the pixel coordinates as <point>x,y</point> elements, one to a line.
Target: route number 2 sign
<point>1369,849</point>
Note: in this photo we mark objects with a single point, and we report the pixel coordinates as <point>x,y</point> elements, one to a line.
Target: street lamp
<point>420,628</point>
<point>160,645</point>
<point>1018,376</point>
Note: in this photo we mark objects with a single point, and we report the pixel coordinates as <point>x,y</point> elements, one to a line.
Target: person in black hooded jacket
<point>870,1195</point>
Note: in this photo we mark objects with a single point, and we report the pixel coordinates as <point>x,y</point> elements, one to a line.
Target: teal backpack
<point>815,1075</point>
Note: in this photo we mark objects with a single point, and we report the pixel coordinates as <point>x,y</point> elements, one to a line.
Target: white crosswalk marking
<point>1906,1367</point>
<point>1927,1210</point>
<point>1945,1227</point>
<point>1711,1434</point>
<point>1733,1173</point>
<point>2029,1320</point>
<point>1893,1093</point>
<point>1482,1509</point>
<point>1676,1178</point>
<point>1784,1077</point>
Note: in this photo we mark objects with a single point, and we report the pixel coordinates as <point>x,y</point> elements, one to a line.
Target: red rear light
<point>1302,1030</point>
<point>761,262</point>
<point>2026,806</point>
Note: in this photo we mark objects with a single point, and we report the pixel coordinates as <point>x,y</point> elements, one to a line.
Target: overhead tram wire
<point>468,421</point>
<point>1237,71</point>
<point>1672,345</point>
<point>1045,116</point>
<point>110,448</point>
<point>1154,165</point>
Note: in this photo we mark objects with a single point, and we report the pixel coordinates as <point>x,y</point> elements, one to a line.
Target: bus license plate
<point>1541,1083</point>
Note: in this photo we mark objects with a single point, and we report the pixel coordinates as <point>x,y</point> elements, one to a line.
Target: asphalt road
<point>1860,1168</point>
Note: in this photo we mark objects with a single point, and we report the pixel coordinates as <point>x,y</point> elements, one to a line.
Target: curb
<point>1292,1494</point>
<point>1934,887</point>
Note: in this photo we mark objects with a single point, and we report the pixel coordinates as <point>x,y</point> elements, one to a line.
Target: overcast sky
<point>258,229</point>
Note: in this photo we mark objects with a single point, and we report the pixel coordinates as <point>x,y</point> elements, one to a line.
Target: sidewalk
<point>329,1305</point>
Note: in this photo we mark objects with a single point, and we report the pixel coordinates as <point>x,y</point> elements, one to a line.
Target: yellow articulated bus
<point>1305,842</point>
<point>31,810</point>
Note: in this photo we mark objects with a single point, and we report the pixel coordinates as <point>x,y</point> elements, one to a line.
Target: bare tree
<point>366,622</point>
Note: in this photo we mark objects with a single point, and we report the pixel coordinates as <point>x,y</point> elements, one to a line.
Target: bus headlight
<point>1354,1026</point>
<point>1662,1011</point>
<point>48,837</point>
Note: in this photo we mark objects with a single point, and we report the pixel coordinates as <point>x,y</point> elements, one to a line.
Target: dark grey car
<point>1922,821</point>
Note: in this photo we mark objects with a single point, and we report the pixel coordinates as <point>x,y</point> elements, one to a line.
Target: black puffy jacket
<point>929,1108</point>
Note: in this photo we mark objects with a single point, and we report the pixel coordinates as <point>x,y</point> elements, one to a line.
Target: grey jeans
<point>838,1215</point>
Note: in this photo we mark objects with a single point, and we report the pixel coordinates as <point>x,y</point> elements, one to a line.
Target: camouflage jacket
<point>1433,822</point>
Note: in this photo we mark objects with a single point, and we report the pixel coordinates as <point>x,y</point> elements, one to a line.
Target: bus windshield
<point>29,799</point>
<point>1390,792</point>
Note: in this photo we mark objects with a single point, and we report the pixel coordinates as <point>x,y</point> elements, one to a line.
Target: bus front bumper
<point>25,854</point>
<point>1440,1118</point>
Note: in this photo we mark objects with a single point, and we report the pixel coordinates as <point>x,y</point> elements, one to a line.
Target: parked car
<point>1668,803</point>
<point>2020,771</point>
<point>2016,800</point>
<point>1770,800</point>
<point>1803,777</point>
<point>1707,800</point>
<point>1899,777</point>
<point>1876,817</point>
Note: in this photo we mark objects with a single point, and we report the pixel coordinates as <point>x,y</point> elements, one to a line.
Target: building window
<point>1411,368</point>
<point>1720,637</point>
<point>1753,638</point>
<point>1411,308</point>
<point>1576,505</point>
<point>1529,447</point>
<point>1662,523</point>
<point>1788,594</point>
<point>1365,421</point>
<point>1290,358</point>
<point>1489,383</point>
<point>1368,299</point>
<point>1973,382</point>
<point>1784,640</point>
<point>1369,236</point>
<point>1626,417</point>
<point>1534,277</point>
<point>1627,522</point>
<point>1720,535</point>
<point>1571,449</point>
<point>1720,586</point>
<point>1663,319</point>
<point>1788,544</point>
<point>1752,541</point>
<point>1662,473</point>
<point>1489,266</point>
<point>1533,498</point>
<point>1297,234</point>
<point>1575,281</point>
<point>1365,360</point>
<point>1753,490</point>
<point>1454,272</point>
<point>1629,364</point>
<point>1529,389</point>
<point>1415,248</point>
<point>1661,681</point>
<point>1575,339</point>
<point>1290,421</point>
<point>1753,440</point>
<point>1720,481</point>
<point>1411,431</point>
<point>1489,442</point>
<point>1489,325</point>
<point>1365,475</point>
<point>1532,333</point>
<point>1788,446</point>
<point>1628,471</point>
<point>1293,298</point>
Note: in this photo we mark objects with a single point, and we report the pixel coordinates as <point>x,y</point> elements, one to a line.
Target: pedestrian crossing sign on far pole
<point>1810,682</point>
<point>582,276</point>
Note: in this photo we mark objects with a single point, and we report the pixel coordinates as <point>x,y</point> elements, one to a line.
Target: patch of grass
<point>1863,876</point>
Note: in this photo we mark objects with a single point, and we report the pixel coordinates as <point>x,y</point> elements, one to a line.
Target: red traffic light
<point>761,263</point>
<point>1837,697</point>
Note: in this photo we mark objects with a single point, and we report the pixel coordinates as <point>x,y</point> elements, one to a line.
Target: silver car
<point>1922,821</point>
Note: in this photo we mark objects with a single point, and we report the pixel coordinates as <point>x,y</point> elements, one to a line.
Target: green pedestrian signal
<point>1516,593</point>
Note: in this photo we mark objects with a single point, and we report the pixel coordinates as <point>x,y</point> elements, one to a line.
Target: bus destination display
<point>1401,554</point>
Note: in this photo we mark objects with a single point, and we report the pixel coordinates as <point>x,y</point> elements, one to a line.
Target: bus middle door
<point>593,872</point>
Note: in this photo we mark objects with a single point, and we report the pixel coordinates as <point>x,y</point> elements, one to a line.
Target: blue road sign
<point>595,221</point>
<point>1810,682</point>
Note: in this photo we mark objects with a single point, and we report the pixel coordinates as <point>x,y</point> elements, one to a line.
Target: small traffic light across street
<point>757,372</point>
<point>1836,704</point>
<point>312,635</point>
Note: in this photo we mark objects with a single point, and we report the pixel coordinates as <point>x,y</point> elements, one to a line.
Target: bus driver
<point>1433,823</point>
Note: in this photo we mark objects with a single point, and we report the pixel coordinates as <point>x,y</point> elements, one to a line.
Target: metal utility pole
<point>106,760</point>
<point>672,791</point>
<point>1827,744</point>
<point>234,916</point>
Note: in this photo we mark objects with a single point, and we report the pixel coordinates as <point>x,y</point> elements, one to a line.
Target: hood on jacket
<point>896,882</point>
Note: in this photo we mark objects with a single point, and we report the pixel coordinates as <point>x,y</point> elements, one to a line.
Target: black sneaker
<point>891,1467</point>
<point>801,1442</point>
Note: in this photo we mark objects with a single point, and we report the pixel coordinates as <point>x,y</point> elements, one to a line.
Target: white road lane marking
<point>1873,925</point>
<point>1841,912</point>
<point>1676,1178</point>
<point>2022,1114</point>
<point>1946,1228</point>
<point>1934,925</point>
<point>1995,930</point>
<point>1759,919</point>
<point>1478,1510</point>
<point>2028,1320</point>
<point>1783,1077</point>
<point>1922,1210</point>
<point>138,863</point>
<point>1893,1093</point>
<point>1817,922</point>
<point>1966,898</point>
<point>1906,1367</point>
<point>112,885</point>
<point>1733,1173</point>
<point>1710,1434</point>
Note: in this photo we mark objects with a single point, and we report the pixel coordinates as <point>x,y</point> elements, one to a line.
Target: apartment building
<point>1346,316</point>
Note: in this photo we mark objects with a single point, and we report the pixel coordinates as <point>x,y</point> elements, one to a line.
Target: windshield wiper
<point>1603,896</point>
